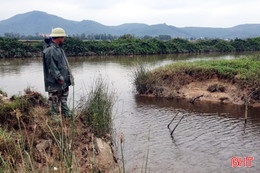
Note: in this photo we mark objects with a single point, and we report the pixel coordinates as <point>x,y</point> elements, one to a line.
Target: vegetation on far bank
<point>32,141</point>
<point>12,48</point>
<point>243,72</point>
<point>128,45</point>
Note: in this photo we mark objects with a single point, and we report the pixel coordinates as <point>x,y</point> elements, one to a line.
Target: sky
<point>179,13</point>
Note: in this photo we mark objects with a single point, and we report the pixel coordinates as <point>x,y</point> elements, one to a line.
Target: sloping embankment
<point>32,141</point>
<point>230,81</point>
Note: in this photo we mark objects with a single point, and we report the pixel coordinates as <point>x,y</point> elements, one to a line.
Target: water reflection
<point>199,107</point>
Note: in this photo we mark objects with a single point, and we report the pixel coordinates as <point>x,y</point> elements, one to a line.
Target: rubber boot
<point>65,111</point>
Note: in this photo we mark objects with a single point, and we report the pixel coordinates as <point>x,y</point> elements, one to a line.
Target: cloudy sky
<point>207,13</point>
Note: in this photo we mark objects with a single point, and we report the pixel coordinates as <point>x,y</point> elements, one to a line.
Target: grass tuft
<point>22,104</point>
<point>3,93</point>
<point>142,80</point>
<point>97,110</point>
<point>8,147</point>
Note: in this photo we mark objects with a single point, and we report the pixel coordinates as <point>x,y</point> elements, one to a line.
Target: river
<point>205,140</point>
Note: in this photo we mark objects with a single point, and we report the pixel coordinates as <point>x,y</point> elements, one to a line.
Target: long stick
<point>177,124</point>
<point>73,128</point>
<point>172,120</point>
<point>246,109</point>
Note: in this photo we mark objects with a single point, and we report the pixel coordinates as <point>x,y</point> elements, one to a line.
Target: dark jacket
<point>56,68</point>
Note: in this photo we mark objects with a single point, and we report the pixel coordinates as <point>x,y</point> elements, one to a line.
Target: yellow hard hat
<point>58,32</point>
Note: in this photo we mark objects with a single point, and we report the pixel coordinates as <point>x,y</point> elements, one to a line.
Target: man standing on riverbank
<point>57,73</point>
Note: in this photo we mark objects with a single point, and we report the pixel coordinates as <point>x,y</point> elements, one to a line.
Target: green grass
<point>141,78</point>
<point>8,146</point>
<point>97,110</point>
<point>22,103</point>
<point>3,93</point>
<point>242,68</point>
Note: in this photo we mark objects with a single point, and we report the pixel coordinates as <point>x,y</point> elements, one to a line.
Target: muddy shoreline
<point>197,91</point>
<point>226,81</point>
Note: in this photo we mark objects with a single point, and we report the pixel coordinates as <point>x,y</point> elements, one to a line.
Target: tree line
<point>83,36</point>
<point>128,45</point>
<point>13,48</point>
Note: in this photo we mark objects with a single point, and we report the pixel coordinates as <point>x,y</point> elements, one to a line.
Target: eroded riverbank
<point>224,81</point>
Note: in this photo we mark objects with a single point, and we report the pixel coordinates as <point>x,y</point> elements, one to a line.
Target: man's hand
<point>61,82</point>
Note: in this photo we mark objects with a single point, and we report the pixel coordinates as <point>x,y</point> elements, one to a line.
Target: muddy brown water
<point>205,140</point>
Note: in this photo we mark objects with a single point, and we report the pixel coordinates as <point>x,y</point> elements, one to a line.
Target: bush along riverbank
<point>128,45</point>
<point>32,141</point>
<point>13,48</point>
<point>229,81</point>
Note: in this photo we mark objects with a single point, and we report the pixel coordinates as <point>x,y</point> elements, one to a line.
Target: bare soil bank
<point>223,81</point>
<point>27,143</point>
<point>200,91</point>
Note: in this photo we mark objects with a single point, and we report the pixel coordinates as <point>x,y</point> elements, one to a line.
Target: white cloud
<point>217,13</point>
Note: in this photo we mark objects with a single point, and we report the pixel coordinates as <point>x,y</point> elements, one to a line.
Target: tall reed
<point>97,109</point>
<point>142,80</point>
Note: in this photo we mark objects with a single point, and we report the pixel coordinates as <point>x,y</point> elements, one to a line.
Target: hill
<point>37,22</point>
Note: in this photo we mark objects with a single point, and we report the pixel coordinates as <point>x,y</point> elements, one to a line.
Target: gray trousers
<point>58,101</point>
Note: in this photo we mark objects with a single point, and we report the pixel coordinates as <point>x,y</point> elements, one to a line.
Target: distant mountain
<point>151,30</point>
<point>204,32</point>
<point>33,22</point>
<point>40,22</point>
<point>246,30</point>
<point>240,31</point>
